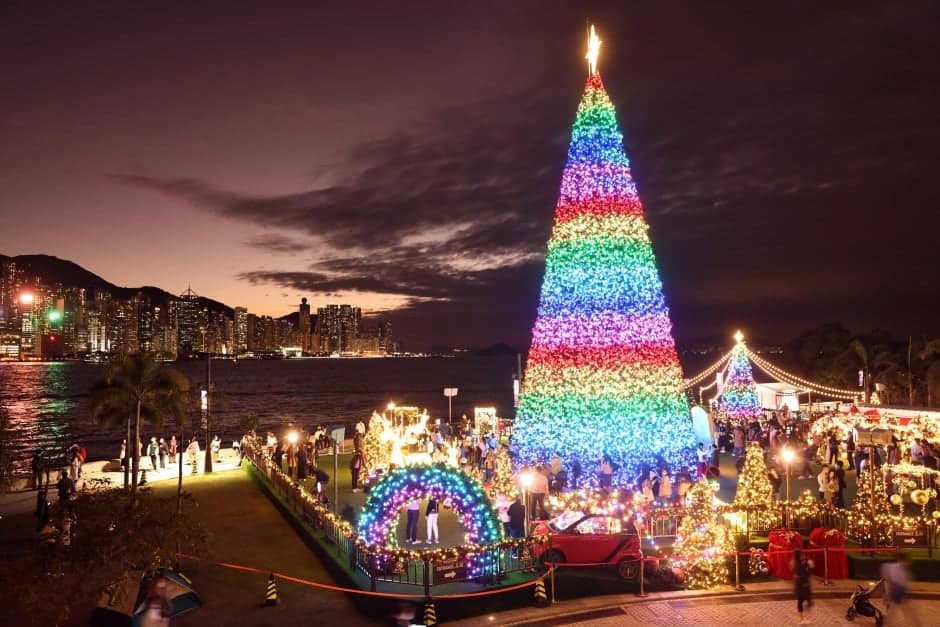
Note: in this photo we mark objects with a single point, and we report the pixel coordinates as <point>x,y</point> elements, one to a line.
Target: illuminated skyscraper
<point>241,330</point>
<point>189,314</point>
<point>336,326</point>
<point>303,325</point>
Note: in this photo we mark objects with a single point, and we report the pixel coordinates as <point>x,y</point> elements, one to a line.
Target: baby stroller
<point>861,605</point>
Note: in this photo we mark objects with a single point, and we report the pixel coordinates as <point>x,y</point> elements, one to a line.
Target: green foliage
<point>138,388</point>
<point>832,355</point>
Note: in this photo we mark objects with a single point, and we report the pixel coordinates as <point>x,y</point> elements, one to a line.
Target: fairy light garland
<point>602,376</point>
<point>715,367</point>
<point>403,485</point>
<point>794,380</point>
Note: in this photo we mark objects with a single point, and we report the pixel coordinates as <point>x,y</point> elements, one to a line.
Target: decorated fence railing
<point>485,564</point>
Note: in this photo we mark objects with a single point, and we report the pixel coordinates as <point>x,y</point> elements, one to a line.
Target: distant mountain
<point>51,270</point>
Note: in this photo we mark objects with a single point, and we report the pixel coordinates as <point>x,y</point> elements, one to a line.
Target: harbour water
<point>47,402</point>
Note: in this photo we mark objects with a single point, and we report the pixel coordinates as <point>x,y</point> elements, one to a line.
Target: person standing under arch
<point>430,514</point>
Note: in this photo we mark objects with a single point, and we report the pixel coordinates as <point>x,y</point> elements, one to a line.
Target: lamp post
<point>526,480</point>
<point>206,408</point>
<point>787,455</point>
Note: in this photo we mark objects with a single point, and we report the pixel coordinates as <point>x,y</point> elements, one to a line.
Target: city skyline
<point>51,309</point>
<point>407,160</point>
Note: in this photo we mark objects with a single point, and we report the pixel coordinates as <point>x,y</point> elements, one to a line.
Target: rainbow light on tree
<point>602,375</point>
<point>739,398</point>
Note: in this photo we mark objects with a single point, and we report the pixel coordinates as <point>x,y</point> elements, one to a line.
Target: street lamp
<point>292,437</point>
<point>787,456</point>
<point>526,480</point>
<point>788,460</point>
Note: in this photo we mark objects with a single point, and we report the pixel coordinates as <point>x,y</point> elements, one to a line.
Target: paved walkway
<point>767,603</point>
<point>825,612</point>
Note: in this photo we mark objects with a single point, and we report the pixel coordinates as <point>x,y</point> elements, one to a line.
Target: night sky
<point>407,156</point>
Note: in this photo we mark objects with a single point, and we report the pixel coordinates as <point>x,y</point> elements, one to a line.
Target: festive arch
<point>469,499</point>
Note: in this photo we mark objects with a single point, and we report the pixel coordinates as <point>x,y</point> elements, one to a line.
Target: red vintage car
<point>592,539</point>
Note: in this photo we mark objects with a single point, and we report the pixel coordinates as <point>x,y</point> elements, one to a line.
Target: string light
<point>708,372</point>
<point>404,485</point>
<point>796,381</point>
<point>602,375</point>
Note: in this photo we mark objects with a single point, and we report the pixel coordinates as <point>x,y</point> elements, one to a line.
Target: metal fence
<point>487,566</point>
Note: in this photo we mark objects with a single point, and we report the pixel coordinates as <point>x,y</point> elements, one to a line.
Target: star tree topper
<point>594,47</point>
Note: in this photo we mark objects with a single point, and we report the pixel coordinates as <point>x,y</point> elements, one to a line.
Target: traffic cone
<point>430,615</point>
<point>541,598</point>
<point>270,595</point>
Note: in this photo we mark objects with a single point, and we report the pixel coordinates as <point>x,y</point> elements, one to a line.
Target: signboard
<point>450,392</point>
<point>915,537</point>
<point>453,569</point>
<point>338,434</point>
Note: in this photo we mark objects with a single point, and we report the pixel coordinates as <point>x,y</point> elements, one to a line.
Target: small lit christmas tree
<point>755,493</point>
<point>703,542</point>
<point>504,482</point>
<point>739,400</point>
<point>869,520</point>
<point>376,453</point>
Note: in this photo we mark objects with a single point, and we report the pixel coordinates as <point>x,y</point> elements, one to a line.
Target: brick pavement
<point>825,612</point>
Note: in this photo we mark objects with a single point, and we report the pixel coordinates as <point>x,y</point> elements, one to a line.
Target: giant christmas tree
<point>739,399</point>
<point>602,377</point>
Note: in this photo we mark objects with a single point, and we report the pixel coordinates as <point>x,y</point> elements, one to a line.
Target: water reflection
<point>47,402</point>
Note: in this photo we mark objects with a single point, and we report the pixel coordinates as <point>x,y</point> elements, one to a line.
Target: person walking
<point>897,576</point>
<point>65,486</point>
<point>193,451</point>
<point>411,529</point>
<point>606,473</point>
<point>802,570</point>
<point>539,492</point>
<point>430,515</point>
<point>703,458</point>
<point>502,508</point>
<point>153,449</point>
<point>355,467</point>
<point>173,449</point>
<point>217,449</point>
<point>665,488</point>
<point>36,466</point>
<point>822,479</point>
<point>164,453</point>
<point>850,449</point>
<point>832,488</point>
<point>738,440</point>
<point>516,512</point>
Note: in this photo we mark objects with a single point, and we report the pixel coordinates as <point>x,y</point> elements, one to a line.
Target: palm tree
<point>138,388</point>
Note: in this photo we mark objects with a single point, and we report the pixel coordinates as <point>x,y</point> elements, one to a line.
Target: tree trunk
<point>179,481</point>
<point>136,466</point>
<point>127,456</point>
